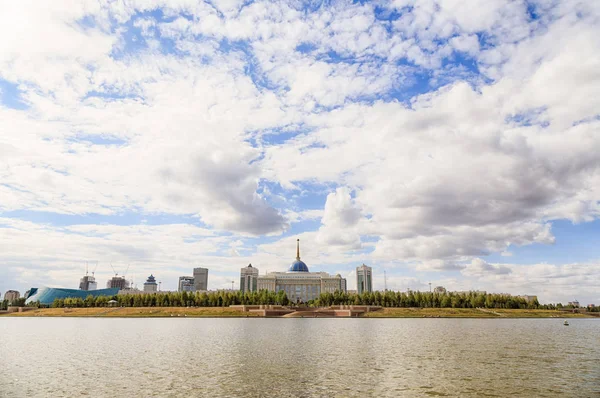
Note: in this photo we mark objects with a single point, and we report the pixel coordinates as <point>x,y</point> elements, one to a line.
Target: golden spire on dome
<point>298,249</point>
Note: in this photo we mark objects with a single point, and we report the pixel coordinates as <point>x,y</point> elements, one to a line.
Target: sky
<point>441,141</point>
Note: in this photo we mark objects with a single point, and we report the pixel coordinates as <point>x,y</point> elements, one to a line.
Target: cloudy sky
<point>445,141</point>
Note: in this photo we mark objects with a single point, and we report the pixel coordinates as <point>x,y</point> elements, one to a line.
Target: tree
<point>89,301</point>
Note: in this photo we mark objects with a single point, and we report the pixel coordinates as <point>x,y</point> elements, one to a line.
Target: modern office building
<point>117,282</point>
<point>47,295</point>
<point>573,303</point>
<point>186,284</point>
<point>88,283</point>
<point>200,279</point>
<point>150,286</point>
<point>248,279</point>
<point>531,299</point>
<point>11,295</point>
<point>298,283</point>
<point>364,279</point>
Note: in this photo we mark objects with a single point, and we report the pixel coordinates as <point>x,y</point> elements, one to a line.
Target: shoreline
<point>226,312</point>
<point>476,313</point>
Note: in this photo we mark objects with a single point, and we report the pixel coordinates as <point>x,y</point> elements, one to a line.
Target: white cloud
<point>198,113</point>
<point>440,265</point>
<point>552,283</point>
<point>479,268</point>
<point>468,44</point>
<point>340,221</point>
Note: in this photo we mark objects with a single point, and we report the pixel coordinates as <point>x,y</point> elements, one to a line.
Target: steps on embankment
<point>339,311</point>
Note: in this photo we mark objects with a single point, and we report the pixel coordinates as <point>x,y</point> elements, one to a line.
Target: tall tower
<point>87,283</point>
<point>118,282</point>
<point>248,279</point>
<point>200,279</point>
<point>364,279</point>
<point>384,281</point>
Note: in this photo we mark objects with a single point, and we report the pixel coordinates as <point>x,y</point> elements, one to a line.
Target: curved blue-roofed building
<point>47,295</point>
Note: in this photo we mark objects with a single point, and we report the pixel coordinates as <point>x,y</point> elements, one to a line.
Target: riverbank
<point>134,312</point>
<point>470,313</point>
<point>226,312</point>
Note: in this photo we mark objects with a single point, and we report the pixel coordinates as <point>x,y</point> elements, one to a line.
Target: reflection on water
<point>299,357</point>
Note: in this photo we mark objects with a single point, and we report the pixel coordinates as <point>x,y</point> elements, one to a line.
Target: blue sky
<point>440,141</point>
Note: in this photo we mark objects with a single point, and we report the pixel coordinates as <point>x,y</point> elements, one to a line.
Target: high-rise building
<point>150,285</point>
<point>364,279</point>
<point>117,282</point>
<point>249,279</point>
<point>11,295</point>
<point>88,283</point>
<point>200,279</point>
<point>186,284</point>
<point>573,303</point>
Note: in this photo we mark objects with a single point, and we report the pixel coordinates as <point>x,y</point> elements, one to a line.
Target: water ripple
<point>299,357</point>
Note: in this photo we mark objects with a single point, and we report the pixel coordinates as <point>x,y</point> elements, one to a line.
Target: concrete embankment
<point>337,311</point>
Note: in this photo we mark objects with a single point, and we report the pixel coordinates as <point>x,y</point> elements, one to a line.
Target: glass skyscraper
<point>364,279</point>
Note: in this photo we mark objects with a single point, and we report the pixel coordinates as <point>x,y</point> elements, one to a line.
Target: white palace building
<point>298,283</point>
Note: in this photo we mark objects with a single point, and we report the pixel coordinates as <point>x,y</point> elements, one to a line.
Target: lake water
<point>299,357</point>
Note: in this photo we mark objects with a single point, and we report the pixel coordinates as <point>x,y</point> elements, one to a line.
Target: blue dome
<point>298,266</point>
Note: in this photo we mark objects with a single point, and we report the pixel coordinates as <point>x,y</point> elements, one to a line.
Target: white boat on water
<point>566,323</point>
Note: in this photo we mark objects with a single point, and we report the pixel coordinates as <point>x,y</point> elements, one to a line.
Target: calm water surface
<point>299,357</point>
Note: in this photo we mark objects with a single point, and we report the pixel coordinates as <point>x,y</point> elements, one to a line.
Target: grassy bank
<point>468,313</point>
<point>225,312</point>
<point>134,312</point>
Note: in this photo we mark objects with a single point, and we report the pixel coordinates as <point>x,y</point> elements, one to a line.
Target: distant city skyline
<point>448,144</point>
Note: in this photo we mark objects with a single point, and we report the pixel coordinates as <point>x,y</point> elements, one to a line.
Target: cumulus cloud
<point>340,221</point>
<point>429,134</point>
<point>478,267</point>
<point>551,282</point>
<point>440,265</point>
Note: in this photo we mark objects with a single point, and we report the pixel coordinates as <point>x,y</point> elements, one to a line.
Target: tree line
<point>178,299</point>
<point>384,299</point>
<point>429,300</point>
<point>4,304</point>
